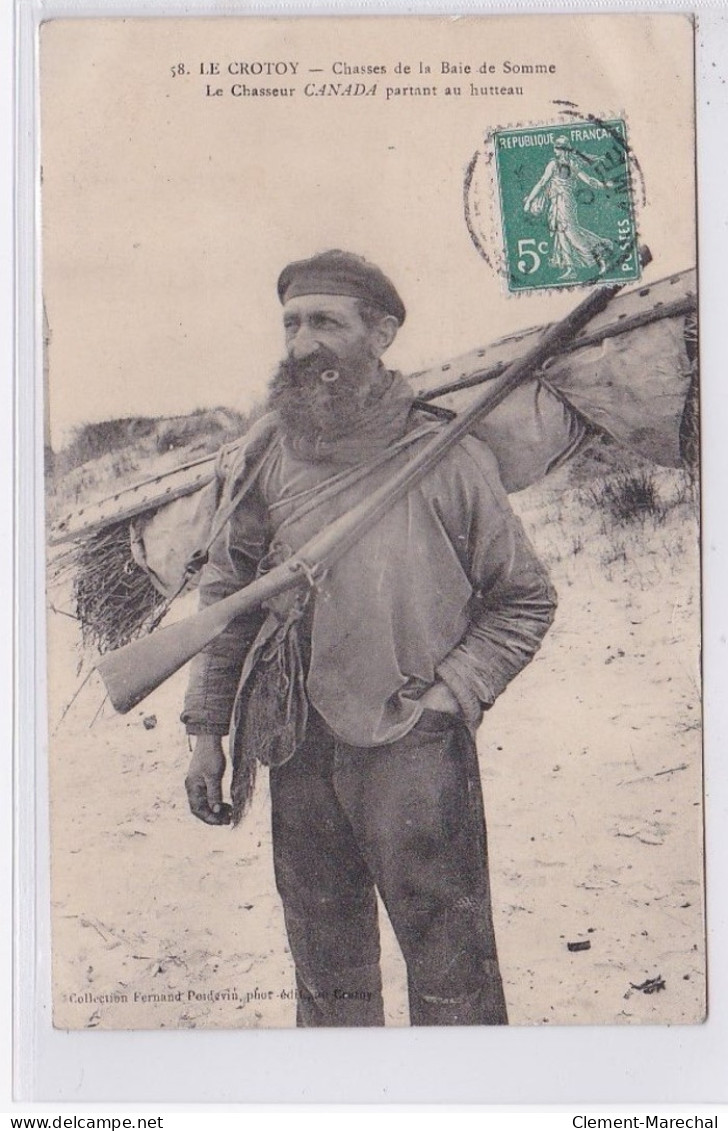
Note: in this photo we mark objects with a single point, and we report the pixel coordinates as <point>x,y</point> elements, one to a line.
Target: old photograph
<point>373,514</point>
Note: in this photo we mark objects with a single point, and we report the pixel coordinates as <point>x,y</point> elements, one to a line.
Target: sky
<point>169,212</point>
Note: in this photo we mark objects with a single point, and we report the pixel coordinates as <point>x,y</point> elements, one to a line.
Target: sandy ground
<point>591,764</point>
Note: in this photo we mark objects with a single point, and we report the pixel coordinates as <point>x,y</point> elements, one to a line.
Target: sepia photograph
<point>372,476</point>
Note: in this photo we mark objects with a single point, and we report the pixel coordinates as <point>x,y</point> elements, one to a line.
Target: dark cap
<point>340,273</point>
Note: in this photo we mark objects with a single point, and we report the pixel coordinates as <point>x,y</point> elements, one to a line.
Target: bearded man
<point>364,694</point>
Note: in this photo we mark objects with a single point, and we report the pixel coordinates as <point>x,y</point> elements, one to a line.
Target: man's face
<point>332,364</point>
<point>333,322</point>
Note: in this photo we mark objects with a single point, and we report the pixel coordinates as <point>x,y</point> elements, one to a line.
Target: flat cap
<point>340,273</point>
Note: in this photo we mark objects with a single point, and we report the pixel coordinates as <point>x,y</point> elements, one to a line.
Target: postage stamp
<point>566,209</point>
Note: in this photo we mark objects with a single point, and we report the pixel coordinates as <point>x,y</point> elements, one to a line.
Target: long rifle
<point>134,671</point>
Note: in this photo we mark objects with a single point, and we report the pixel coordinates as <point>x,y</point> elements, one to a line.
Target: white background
<point>6,479</point>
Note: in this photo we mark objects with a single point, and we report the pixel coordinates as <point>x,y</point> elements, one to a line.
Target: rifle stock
<point>134,671</point>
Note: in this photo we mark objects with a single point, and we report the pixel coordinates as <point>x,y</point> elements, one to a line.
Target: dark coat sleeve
<point>232,564</point>
<point>513,601</point>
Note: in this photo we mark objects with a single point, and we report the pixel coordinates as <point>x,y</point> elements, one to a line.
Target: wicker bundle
<point>113,598</point>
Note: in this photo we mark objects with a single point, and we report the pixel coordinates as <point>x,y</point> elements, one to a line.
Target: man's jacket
<point>445,587</point>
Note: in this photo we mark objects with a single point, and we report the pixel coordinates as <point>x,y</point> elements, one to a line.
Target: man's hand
<point>204,781</point>
<point>439,697</point>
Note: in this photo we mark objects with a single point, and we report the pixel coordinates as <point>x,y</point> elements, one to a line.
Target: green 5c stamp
<point>566,208</point>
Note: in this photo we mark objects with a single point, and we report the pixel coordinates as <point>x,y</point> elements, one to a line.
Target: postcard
<point>372,479</point>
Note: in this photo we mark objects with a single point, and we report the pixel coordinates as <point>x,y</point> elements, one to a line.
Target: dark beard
<point>311,406</point>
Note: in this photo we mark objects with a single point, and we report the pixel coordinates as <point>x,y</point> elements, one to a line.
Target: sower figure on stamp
<point>574,246</point>
<point>364,695</point>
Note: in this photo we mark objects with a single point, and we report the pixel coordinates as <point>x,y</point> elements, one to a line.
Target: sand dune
<point>591,763</point>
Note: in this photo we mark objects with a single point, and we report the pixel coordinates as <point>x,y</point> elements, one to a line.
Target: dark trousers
<point>406,818</point>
